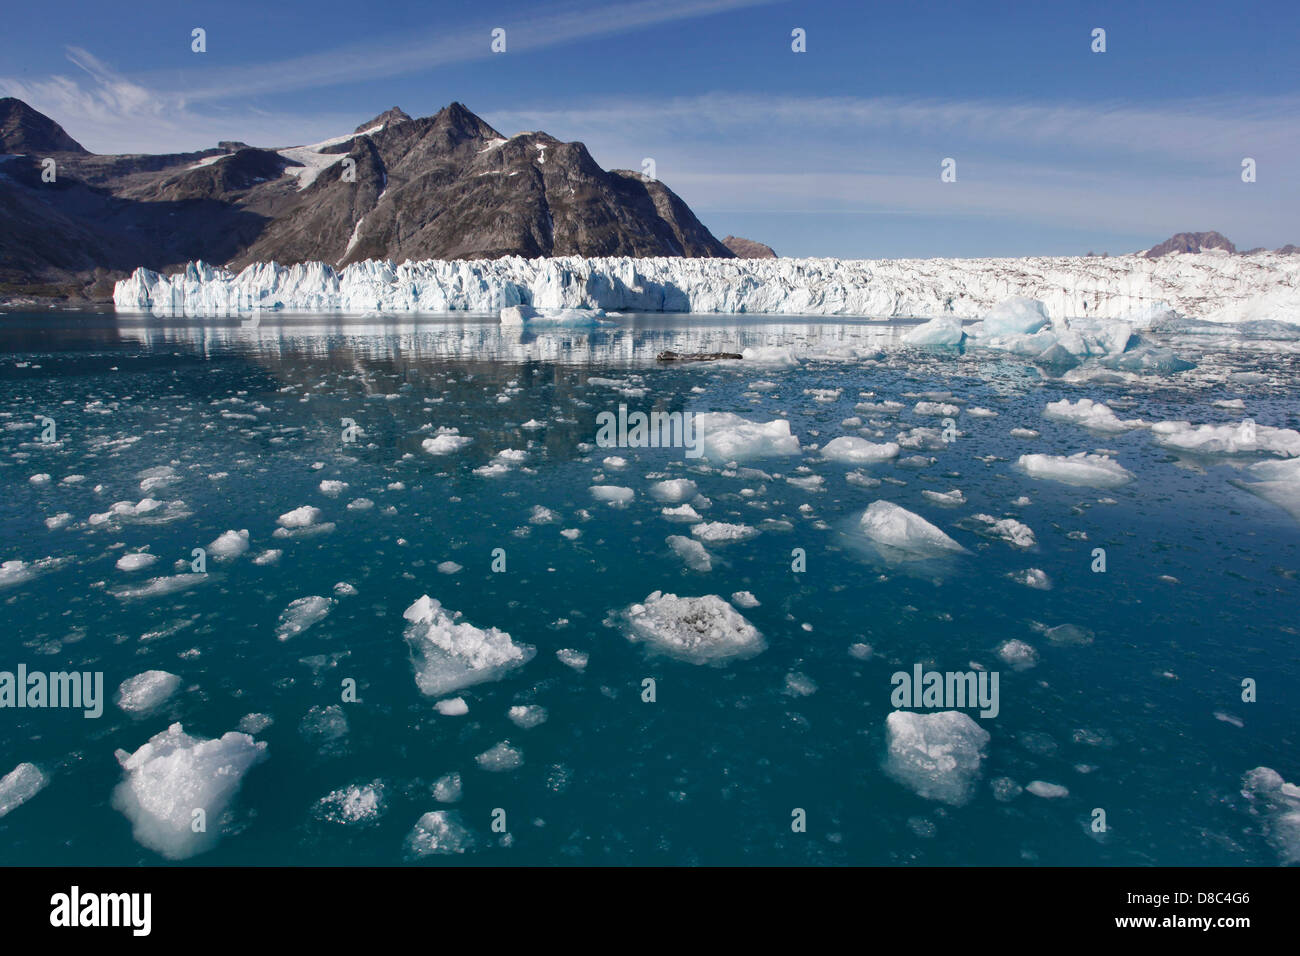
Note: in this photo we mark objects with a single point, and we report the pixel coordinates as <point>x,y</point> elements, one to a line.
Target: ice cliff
<point>1215,286</point>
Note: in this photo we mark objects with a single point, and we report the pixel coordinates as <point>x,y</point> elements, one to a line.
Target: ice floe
<point>701,630</point>
<point>896,528</point>
<point>449,654</point>
<point>1092,471</point>
<point>935,755</point>
<point>174,775</point>
<point>144,693</point>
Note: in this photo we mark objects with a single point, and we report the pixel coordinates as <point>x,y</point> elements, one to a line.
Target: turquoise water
<point>243,424</point>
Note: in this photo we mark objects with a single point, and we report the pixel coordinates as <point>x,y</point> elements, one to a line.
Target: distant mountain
<point>23,130</point>
<point>748,248</point>
<point>1205,242</point>
<point>446,186</point>
<point>1191,242</point>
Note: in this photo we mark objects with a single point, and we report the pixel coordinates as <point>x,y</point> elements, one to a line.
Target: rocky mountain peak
<point>24,130</point>
<point>748,248</point>
<point>386,119</point>
<point>1191,242</point>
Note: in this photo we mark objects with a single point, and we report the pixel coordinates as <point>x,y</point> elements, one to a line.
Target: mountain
<point>1191,242</point>
<point>446,186</point>
<point>23,130</point>
<point>748,248</point>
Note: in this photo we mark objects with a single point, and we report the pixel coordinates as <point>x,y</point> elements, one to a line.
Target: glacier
<point>1212,286</point>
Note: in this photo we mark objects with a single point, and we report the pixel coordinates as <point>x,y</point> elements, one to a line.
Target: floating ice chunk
<point>613,495</point>
<point>1276,481</point>
<point>1032,578</point>
<point>355,805</point>
<point>174,774</point>
<point>1070,635</point>
<point>302,614</point>
<point>542,515</point>
<point>744,599</point>
<point>1234,439</point>
<point>721,532</point>
<point>572,658</point>
<point>19,785</point>
<point>943,331</point>
<point>674,490</point>
<point>725,437</point>
<point>1019,655</point>
<point>269,556</point>
<point>799,685</point>
<point>895,527</point>
<point>949,499</point>
<point>1048,791</point>
<point>360,504</point>
<point>445,442</point>
<point>447,788</point>
<point>1092,471</point>
<point>769,355</point>
<point>935,755</point>
<point>438,833</point>
<point>682,513</point>
<point>448,567</point>
<point>332,489</point>
<point>449,654</point>
<point>255,723</point>
<point>229,545</point>
<point>303,517</point>
<point>59,520</point>
<point>501,758</point>
<point>1148,358</point>
<point>143,693</point>
<point>452,707</point>
<point>856,451</point>
<point>135,561</point>
<point>1280,802</point>
<point>615,462</point>
<point>527,716</point>
<point>160,586</point>
<point>1005,789</point>
<point>517,314</point>
<point>936,408</point>
<point>1096,416</point>
<point>691,552</point>
<point>701,630</point>
<point>1015,316</point>
<point>1015,533</point>
<point>41,479</point>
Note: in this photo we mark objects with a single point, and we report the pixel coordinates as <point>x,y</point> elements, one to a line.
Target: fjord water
<point>242,423</point>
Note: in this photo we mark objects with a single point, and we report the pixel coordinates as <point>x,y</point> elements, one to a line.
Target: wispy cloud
<point>554,25</point>
<point>111,112</point>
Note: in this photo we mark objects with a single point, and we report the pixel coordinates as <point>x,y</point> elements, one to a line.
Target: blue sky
<point>835,151</point>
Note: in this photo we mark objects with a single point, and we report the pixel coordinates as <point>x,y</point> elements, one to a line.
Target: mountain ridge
<point>445,186</point>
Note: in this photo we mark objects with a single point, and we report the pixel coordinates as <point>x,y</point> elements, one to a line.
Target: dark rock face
<point>1289,249</point>
<point>446,186</point>
<point>748,248</point>
<point>1191,242</point>
<point>387,118</point>
<point>23,130</point>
